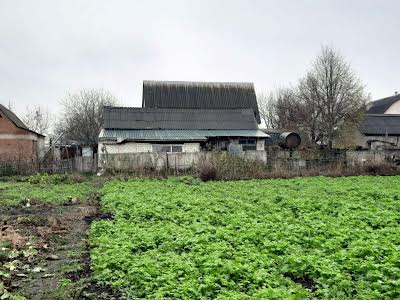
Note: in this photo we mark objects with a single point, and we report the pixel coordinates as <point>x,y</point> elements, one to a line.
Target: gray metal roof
<point>200,95</point>
<point>175,135</point>
<point>175,118</point>
<point>382,105</point>
<point>381,124</point>
<point>12,117</point>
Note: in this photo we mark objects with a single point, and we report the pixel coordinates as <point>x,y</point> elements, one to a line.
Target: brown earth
<point>59,265</point>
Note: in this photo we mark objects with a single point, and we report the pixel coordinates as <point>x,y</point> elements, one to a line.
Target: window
<point>248,144</point>
<point>167,148</point>
<point>176,148</point>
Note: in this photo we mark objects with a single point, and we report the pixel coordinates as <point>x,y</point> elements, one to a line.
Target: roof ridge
<point>197,82</point>
<point>174,108</point>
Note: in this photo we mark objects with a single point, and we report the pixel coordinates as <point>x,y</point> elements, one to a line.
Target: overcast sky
<point>51,48</point>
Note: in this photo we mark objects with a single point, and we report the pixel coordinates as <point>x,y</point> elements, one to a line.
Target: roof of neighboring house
<point>381,124</point>
<point>121,135</point>
<point>175,118</point>
<point>13,118</point>
<point>382,105</point>
<point>200,95</point>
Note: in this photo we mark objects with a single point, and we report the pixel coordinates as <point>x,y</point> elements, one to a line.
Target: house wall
<point>394,108</point>
<point>132,147</point>
<point>125,148</point>
<point>191,147</point>
<point>260,143</point>
<point>362,140</point>
<point>17,143</point>
<point>129,156</point>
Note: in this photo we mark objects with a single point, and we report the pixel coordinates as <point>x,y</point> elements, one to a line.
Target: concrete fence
<point>177,161</point>
<point>76,164</point>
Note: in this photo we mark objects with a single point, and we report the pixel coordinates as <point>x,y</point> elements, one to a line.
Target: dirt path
<point>52,256</point>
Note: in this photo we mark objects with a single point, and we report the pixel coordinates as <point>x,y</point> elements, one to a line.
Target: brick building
<point>17,142</point>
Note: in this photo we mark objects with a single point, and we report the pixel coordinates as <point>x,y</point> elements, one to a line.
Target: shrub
<point>207,171</point>
<point>382,169</point>
<point>48,179</point>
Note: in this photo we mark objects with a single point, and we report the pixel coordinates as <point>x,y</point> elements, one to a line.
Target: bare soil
<point>59,267</point>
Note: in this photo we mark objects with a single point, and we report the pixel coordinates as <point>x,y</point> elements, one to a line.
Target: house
<point>380,128</point>
<point>389,105</point>
<point>186,117</point>
<point>379,131</point>
<point>17,142</point>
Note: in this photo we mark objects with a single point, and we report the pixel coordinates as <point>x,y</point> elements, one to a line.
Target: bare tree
<point>37,119</point>
<point>280,109</point>
<point>333,95</point>
<point>266,107</point>
<point>83,115</point>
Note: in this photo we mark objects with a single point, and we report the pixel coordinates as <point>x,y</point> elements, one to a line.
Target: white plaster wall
<point>191,147</point>
<point>394,108</point>
<point>260,145</point>
<point>125,148</point>
<point>132,147</point>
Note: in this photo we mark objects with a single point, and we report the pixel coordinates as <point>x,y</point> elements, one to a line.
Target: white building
<point>381,126</point>
<point>185,117</point>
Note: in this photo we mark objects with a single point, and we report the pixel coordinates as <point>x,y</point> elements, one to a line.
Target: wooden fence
<point>72,165</point>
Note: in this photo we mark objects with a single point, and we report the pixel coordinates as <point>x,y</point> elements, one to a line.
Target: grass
<point>303,238</point>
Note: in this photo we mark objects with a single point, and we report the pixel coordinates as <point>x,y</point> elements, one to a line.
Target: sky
<point>49,49</point>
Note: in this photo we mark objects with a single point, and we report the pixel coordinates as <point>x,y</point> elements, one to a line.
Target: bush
<point>382,169</point>
<point>207,172</point>
<point>48,179</point>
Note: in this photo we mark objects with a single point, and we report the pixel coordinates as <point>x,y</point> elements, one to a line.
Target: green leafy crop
<point>328,238</point>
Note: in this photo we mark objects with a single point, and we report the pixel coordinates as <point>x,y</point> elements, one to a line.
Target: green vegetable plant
<point>303,238</point>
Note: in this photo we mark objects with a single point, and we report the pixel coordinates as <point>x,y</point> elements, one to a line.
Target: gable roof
<point>200,95</point>
<point>178,118</point>
<point>381,124</point>
<point>12,117</point>
<point>382,105</point>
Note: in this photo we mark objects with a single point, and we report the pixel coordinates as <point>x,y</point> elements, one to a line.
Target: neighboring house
<point>185,117</point>
<point>17,142</point>
<point>379,131</point>
<point>389,105</point>
<point>380,128</point>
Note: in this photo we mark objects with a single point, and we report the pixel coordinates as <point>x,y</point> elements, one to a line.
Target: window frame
<point>171,147</point>
<point>248,143</point>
